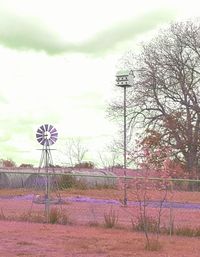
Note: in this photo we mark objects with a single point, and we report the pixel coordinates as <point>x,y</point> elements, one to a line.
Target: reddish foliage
<point>7,163</point>
<point>85,165</point>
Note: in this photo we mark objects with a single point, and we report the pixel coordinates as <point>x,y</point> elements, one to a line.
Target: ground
<point>47,240</point>
<point>85,234</point>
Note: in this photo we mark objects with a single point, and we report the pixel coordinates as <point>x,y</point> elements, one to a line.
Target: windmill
<point>46,135</point>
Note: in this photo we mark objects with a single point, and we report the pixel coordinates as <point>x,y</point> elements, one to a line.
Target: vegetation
<point>7,163</point>
<point>165,100</point>
<point>26,165</point>
<point>111,219</point>
<point>85,165</point>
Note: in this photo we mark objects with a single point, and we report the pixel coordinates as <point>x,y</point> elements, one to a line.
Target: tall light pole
<point>124,80</point>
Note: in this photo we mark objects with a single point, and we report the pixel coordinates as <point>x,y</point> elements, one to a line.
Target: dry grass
<point>96,193</point>
<point>14,191</point>
<point>177,196</point>
<point>56,240</point>
<point>153,245</point>
<point>110,218</point>
<point>109,193</point>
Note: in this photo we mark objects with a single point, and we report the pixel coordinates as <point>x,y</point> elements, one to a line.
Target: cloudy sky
<point>58,60</point>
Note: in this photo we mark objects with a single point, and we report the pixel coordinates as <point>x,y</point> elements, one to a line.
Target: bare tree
<point>109,160</point>
<point>166,95</point>
<point>75,151</point>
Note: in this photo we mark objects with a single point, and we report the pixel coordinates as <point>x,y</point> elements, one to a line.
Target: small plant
<point>54,215</point>
<point>2,215</point>
<point>64,218</point>
<point>153,245</point>
<point>197,232</point>
<point>58,216</point>
<point>110,219</point>
<point>38,218</point>
<point>104,186</point>
<point>67,181</point>
<point>143,223</point>
<point>32,217</point>
<point>186,231</point>
<point>93,224</point>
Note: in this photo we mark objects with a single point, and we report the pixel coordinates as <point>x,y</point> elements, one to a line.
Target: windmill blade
<point>43,128</point>
<point>46,127</point>
<point>53,130</point>
<point>50,128</point>
<point>46,135</point>
<point>39,131</point>
<point>54,134</point>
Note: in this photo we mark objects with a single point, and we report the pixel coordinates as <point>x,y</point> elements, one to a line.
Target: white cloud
<point>69,90</point>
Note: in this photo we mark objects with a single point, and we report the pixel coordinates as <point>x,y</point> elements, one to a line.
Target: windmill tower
<point>46,135</point>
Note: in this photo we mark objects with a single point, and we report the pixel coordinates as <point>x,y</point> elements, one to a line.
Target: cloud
<point>108,39</point>
<point>21,33</point>
<point>3,100</point>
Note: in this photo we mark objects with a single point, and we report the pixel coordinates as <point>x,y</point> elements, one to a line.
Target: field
<point>85,232</point>
<point>31,239</point>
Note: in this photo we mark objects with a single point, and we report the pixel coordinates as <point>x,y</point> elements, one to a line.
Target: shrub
<point>186,231</point>
<point>2,215</point>
<point>150,223</point>
<point>32,217</point>
<point>67,181</point>
<point>64,218</point>
<point>54,215</point>
<point>110,219</point>
<point>7,163</point>
<point>26,165</point>
<point>153,245</point>
<point>85,165</point>
<point>197,231</point>
<point>58,216</point>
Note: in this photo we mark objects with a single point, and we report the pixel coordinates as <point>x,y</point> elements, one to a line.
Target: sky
<point>58,61</point>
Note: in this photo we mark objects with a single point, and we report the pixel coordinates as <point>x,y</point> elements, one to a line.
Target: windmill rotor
<point>46,135</point>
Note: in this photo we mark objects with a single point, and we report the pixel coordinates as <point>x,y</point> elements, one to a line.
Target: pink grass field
<point>47,240</point>
<point>81,238</point>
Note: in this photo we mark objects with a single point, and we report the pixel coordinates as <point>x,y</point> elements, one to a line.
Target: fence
<point>93,199</point>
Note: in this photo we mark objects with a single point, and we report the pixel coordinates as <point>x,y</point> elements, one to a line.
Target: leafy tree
<point>7,163</point>
<point>85,165</point>
<point>165,98</point>
<point>26,165</point>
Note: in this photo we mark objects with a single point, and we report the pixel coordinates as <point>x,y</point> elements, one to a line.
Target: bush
<point>2,215</point>
<point>111,219</point>
<point>85,165</point>
<point>57,216</point>
<point>7,163</point>
<point>187,231</point>
<point>32,217</point>
<point>25,165</point>
<point>67,181</point>
<point>150,223</point>
<point>54,215</point>
<point>153,245</point>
